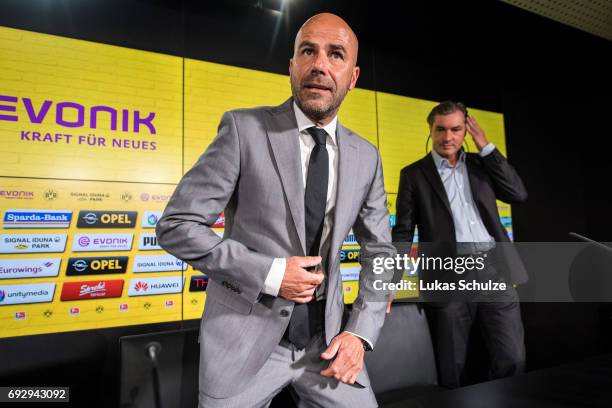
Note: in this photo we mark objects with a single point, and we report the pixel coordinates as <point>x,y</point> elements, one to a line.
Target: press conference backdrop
<point>95,138</point>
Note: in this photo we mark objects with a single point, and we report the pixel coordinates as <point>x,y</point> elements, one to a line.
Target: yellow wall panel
<point>39,67</point>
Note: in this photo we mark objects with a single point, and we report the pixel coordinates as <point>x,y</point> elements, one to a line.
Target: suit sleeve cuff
<point>275,276</point>
<point>362,338</point>
<point>487,150</point>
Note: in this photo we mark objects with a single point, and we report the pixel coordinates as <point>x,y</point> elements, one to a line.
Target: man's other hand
<point>347,353</point>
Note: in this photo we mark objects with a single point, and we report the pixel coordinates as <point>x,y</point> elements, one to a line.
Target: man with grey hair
<point>292,181</point>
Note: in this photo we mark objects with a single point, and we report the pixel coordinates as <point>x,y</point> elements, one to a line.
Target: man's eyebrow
<point>306,44</point>
<point>335,47</point>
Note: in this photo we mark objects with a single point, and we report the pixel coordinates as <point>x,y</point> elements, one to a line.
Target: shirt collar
<point>304,123</point>
<point>442,162</point>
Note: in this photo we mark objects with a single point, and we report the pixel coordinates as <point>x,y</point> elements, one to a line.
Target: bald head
<point>324,66</point>
<point>331,23</point>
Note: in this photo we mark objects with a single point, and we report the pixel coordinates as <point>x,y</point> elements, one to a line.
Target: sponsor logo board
<point>147,241</point>
<point>198,283</point>
<point>157,263</point>
<point>32,243</point>
<point>26,293</point>
<point>106,219</point>
<point>37,218</point>
<point>29,268</point>
<point>96,265</point>
<point>94,289</point>
<point>150,218</point>
<point>102,242</point>
<point>156,286</point>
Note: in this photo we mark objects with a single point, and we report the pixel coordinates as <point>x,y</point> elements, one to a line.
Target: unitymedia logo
<point>26,293</point>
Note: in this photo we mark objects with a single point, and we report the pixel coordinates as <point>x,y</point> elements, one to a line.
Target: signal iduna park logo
<point>37,218</point>
<point>28,293</point>
<point>158,263</point>
<point>32,243</point>
<point>156,286</point>
<point>102,242</point>
<point>29,268</point>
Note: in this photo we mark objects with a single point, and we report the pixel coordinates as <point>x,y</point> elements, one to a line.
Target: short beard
<point>315,113</point>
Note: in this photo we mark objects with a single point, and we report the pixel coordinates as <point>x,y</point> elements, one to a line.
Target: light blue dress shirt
<point>469,227</point>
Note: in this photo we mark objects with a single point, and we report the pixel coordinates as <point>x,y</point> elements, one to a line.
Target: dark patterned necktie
<point>306,317</point>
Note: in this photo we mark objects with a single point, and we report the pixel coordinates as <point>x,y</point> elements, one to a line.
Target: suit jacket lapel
<point>348,163</point>
<point>432,175</point>
<point>283,137</point>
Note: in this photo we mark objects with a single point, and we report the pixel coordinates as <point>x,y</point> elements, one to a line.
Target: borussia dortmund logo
<point>147,305</point>
<point>194,301</point>
<point>48,313</point>
<point>50,194</point>
<point>126,197</point>
<point>100,309</point>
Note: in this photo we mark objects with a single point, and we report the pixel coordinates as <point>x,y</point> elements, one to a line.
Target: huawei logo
<point>141,286</point>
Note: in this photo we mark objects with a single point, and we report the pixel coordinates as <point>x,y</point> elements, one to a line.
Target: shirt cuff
<point>362,338</point>
<point>275,276</point>
<point>487,150</point>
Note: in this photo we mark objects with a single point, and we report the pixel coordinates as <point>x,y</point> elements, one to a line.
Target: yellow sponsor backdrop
<point>58,172</point>
<point>94,313</point>
<point>48,70</point>
<point>212,89</point>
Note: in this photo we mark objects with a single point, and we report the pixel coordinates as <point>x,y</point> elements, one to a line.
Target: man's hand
<point>298,284</point>
<point>480,139</point>
<point>348,362</point>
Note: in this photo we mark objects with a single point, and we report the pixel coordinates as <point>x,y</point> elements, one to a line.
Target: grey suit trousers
<point>300,369</point>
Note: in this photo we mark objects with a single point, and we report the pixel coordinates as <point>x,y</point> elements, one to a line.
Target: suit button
<point>284,313</point>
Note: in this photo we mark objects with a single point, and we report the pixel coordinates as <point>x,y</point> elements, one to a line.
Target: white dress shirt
<point>277,271</point>
<point>275,276</point>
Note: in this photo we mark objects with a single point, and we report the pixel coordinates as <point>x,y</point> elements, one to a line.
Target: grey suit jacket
<point>252,170</point>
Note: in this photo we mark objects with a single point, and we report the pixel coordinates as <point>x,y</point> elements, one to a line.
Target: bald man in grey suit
<point>292,181</point>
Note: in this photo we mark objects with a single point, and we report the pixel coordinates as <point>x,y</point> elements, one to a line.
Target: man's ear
<point>354,77</point>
